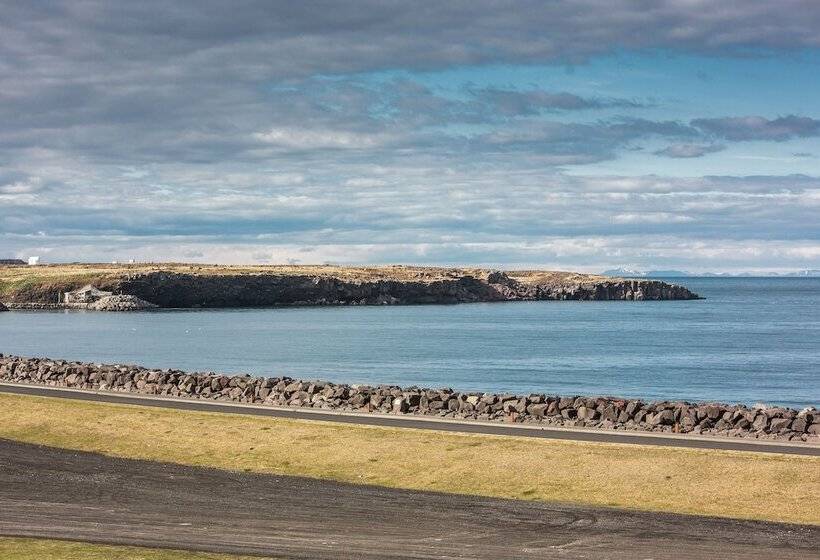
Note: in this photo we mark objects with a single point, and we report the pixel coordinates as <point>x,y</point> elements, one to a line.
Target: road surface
<point>424,422</point>
<point>56,493</point>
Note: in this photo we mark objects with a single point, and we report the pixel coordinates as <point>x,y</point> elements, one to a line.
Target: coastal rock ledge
<point>210,286</point>
<point>761,422</point>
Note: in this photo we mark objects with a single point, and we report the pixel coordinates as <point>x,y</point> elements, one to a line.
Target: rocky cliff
<point>185,290</point>
<point>189,286</point>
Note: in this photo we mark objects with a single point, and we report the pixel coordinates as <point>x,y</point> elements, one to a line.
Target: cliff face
<point>168,289</point>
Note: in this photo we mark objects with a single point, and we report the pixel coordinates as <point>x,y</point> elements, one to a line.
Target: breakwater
<point>762,422</point>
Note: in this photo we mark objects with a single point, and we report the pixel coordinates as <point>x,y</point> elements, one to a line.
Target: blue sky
<point>576,135</point>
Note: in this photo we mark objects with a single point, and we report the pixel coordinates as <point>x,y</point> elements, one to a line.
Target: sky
<point>579,135</point>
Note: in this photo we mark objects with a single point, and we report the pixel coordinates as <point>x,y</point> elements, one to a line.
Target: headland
<point>215,286</point>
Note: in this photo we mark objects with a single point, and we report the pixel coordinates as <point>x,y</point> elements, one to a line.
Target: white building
<point>33,261</point>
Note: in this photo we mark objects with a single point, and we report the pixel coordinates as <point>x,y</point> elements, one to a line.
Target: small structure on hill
<point>33,261</point>
<point>86,294</point>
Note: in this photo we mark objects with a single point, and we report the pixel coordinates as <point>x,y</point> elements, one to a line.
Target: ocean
<point>751,340</point>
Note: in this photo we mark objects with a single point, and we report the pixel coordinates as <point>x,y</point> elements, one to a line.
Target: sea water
<point>751,340</point>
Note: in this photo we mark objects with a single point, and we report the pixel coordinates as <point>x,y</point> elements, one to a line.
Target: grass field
<point>45,549</point>
<point>707,482</point>
<point>26,282</point>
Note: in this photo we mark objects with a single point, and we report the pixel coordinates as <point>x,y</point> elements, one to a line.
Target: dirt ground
<point>54,493</point>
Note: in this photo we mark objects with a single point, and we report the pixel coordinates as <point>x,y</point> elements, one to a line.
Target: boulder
<point>713,412</point>
<point>400,405</point>
<point>780,424</point>
<point>538,410</point>
<point>761,422</point>
<point>121,303</point>
<point>799,425</point>
<point>663,418</point>
<point>605,412</point>
<point>587,413</point>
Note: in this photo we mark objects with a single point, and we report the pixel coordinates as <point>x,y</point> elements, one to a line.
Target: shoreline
<point>589,412</point>
<point>190,286</point>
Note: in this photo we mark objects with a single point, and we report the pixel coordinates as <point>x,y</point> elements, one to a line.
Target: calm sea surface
<point>752,339</point>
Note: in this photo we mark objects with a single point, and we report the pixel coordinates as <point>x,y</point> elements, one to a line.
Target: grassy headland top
<point>195,285</point>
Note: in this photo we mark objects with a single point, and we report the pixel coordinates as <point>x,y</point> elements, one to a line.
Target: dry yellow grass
<point>40,549</point>
<point>17,279</point>
<point>707,482</point>
<point>399,272</point>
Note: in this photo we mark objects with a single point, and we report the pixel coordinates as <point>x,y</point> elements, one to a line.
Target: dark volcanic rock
<point>600,412</point>
<point>188,286</point>
<point>173,289</point>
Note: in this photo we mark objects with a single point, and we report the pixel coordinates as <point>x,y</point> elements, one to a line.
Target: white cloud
<point>365,182</point>
<point>651,218</point>
<point>303,139</point>
<point>230,135</point>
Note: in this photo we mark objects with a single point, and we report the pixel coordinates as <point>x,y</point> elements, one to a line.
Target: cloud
<point>269,40</point>
<point>217,131</point>
<point>760,128</point>
<point>301,139</point>
<point>689,150</point>
<point>532,102</point>
<point>556,252</point>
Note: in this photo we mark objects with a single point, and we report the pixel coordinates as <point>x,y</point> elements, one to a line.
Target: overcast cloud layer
<point>578,135</point>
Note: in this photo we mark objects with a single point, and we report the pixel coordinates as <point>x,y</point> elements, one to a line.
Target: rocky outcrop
<point>3,307</point>
<point>172,289</point>
<point>189,286</point>
<point>550,410</point>
<point>120,303</point>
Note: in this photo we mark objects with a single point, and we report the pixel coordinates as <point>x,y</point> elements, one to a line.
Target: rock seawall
<point>571,411</point>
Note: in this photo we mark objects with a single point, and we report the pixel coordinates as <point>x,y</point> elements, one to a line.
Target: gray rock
<point>538,410</point>
<point>663,418</point>
<point>713,412</point>
<point>610,413</point>
<point>600,412</point>
<point>586,413</point>
<point>400,405</point>
<point>780,424</point>
<point>121,303</point>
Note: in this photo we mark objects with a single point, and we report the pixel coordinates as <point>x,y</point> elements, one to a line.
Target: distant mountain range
<point>630,273</point>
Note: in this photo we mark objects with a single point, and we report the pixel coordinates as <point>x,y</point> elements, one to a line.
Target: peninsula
<point>191,285</point>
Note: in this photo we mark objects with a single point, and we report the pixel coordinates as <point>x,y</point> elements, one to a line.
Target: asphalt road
<point>427,423</point>
<point>56,493</point>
